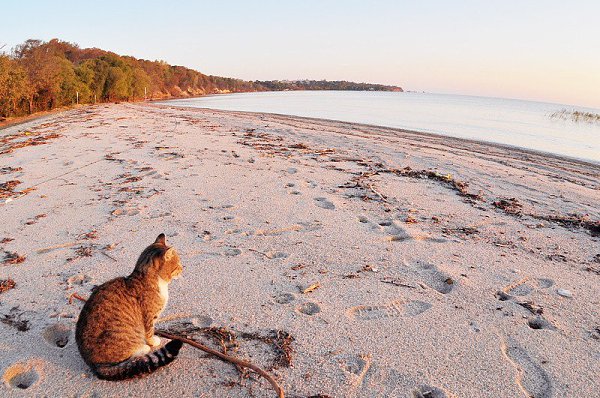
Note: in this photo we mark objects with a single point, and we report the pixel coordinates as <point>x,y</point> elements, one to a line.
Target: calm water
<point>524,124</point>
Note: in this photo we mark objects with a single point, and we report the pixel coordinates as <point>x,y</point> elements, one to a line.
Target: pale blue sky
<point>544,50</point>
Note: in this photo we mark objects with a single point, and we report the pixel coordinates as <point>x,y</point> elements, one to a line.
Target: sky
<point>542,50</point>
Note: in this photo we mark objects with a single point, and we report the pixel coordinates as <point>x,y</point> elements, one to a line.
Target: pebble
<point>564,293</point>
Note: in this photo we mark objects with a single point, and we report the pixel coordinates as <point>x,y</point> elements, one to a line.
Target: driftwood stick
<point>227,358</point>
<point>236,361</point>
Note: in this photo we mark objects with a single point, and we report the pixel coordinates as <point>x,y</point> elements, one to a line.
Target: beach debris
<point>76,296</point>
<point>369,268</point>
<point>7,189</point>
<point>13,258</point>
<point>237,362</point>
<point>502,296</point>
<point>510,206</point>
<point>78,279</point>
<point>9,143</point>
<point>6,240</point>
<point>411,220</point>
<point>447,179</point>
<point>396,282</point>
<point>13,319</point>
<point>593,268</point>
<point>564,293</point>
<point>461,230</point>
<point>515,284</point>
<point>6,285</point>
<point>281,343</point>
<point>9,169</point>
<point>93,234</point>
<point>84,251</point>
<point>60,246</point>
<point>309,288</point>
<point>531,307</point>
<point>572,221</point>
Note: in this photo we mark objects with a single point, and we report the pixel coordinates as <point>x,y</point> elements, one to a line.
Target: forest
<point>40,76</point>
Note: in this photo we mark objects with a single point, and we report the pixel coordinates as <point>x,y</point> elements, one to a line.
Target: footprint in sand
<point>57,335</point>
<point>355,367</point>
<point>309,308</point>
<point>433,277</point>
<point>539,322</point>
<point>532,378</point>
<point>429,392</point>
<point>284,298</point>
<point>394,309</point>
<point>231,252</point>
<point>324,203</point>
<point>526,286</point>
<point>22,375</point>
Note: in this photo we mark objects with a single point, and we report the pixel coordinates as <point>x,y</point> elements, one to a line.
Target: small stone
<point>564,293</point>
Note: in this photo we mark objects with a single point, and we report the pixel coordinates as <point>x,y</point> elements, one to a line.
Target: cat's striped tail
<point>140,365</point>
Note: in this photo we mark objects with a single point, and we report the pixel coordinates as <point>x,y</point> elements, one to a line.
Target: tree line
<point>39,76</point>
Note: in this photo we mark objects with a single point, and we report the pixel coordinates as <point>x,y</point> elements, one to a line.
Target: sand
<point>474,272</point>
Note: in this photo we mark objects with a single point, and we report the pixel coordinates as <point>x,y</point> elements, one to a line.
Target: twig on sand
<point>259,252</point>
<point>109,256</point>
<point>61,246</point>
<point>382,197</point>
<point>227,358</point>
<point>513,285</point>
<point>76,296</point>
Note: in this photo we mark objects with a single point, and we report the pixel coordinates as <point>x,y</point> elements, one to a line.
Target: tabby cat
<point>115,330</point>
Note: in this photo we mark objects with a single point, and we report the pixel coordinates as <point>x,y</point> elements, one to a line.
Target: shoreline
<point>350,260</point>
<point>456,140</point>
<point>523,150</point>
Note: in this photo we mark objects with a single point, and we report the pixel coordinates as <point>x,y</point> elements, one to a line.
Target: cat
<point>115,329</point>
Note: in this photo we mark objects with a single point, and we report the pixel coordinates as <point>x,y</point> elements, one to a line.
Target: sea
<point>518,123</point>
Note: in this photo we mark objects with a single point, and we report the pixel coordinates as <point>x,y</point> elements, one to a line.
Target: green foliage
<point>41,76</point>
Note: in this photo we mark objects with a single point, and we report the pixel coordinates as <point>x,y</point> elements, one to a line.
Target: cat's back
<point>109,318</point>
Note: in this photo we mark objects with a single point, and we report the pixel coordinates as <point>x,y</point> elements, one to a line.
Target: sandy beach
<point>348,260</point>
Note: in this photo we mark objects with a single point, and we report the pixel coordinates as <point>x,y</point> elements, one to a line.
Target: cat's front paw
<point>154,341</point>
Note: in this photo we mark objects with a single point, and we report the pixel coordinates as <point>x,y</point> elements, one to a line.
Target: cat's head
<point>158,258</point>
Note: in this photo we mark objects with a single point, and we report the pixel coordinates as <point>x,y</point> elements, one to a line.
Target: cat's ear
<point>162,239</point>
<point>169,253</point>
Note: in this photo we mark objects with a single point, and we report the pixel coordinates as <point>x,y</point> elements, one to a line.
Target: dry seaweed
<point>15,141</point>
<point>459,186</point>
<point>510,206</point>
<point>280,341</point>
<point>7,189</point>
<point>13,319</point>
<point>9,169</point>
<point>12,258</point>
<point>6,285</point>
